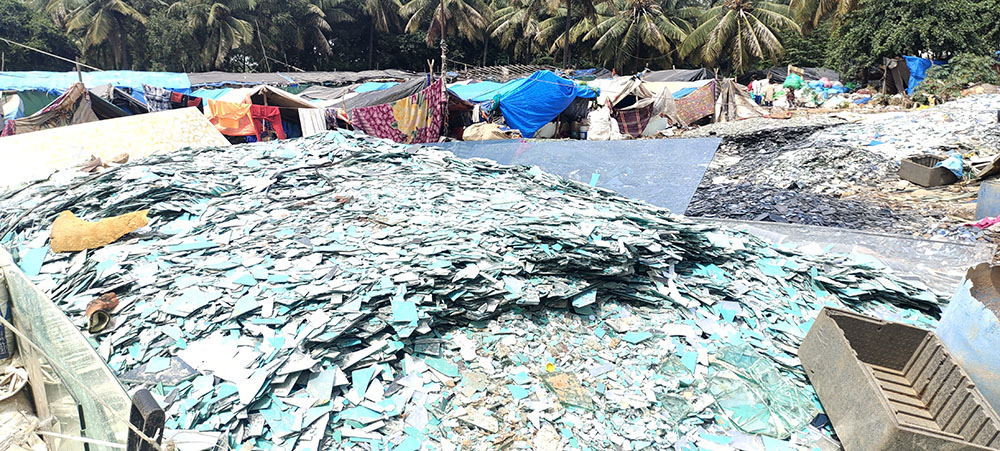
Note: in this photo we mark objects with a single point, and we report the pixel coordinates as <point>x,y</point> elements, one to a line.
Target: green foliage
<point>630,34</point>
<point>736,34</point>
<point>806,51</point>
<point>965,69</point>
<point>890,28</point>
<point>20,23</point>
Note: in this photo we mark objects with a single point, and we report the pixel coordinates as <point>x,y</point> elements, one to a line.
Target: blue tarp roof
<point>375,86</point>
<point>538,99</point>
<point>499,90</point>
<point>474,90</point>
<point>60,81</point>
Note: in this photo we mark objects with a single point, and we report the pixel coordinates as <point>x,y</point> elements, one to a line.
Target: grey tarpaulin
<point>318,92</point>
<point>679,75</point>
<point>229,78</point>
<point>663,172</point>
<point>386,95</point>
<point>292,78</point>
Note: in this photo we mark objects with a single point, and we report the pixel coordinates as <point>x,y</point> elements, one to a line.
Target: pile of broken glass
<point>341,291</point>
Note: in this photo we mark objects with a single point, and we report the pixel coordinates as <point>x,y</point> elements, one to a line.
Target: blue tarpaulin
<point>374,86</point>
<point>918,70</point>
<point>499,90</point>
<point>538,99</point>
<point>474,90</point>
<point>683,92</point>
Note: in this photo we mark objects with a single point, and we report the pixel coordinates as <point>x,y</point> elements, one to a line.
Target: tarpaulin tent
<point>76,106</point>
<point>897,76</point>
<point>635,105</point>
<point>61,81</point>
<point>392,94</point>
<point>121,99</point>
<point>335,78</point>
<point>735,103</point>
<point>501,90</point>
<point>678,75</point>
<point>539,99</point>
<point>918,70</point>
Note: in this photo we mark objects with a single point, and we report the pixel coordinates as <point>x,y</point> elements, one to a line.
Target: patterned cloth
<point>633,122</point>
<point>178,100</point>
<point>331,119</point>
<point>414,119</point>
<point>272,115</point>
<point>157,99</point>
<point>696,105</point>
<point>73,107</point>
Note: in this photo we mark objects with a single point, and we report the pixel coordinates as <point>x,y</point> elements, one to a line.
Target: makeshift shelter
<point>417,118</point>
<point>537,100</point>
<point>476,92</point>
<point>384,96</point>
<point>735,103</point>
<point>636,105</point>
<point>897,76</point>
<point>121,99</point>
<point>779,74</point>
<point>918,70</point>
<point>335,78</point>
<point>697,104</point>
<point>76,106</point>
<point>36,155</point>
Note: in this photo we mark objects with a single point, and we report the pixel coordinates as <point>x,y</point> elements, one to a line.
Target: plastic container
<point>920,170</point>
<point>891,386</point>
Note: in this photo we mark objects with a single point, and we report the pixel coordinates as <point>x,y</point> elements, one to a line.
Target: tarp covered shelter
<point>918,70</point>
<point>121,99</point>
<point>734,103</point>
<point>538,100</point>
<point>678,75</point>
<point>60,81</point>
<point>636,105</point>
<point>76,106</point>
<point>392,94</point>
<point>897,76</point>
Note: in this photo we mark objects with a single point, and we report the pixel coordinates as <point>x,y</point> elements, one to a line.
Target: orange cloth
<point>232,119</point>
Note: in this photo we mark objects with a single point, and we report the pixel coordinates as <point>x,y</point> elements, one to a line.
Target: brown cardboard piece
<point>70,234</point>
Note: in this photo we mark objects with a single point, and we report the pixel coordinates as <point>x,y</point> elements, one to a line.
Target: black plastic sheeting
<point>386,95</point>
<point>779,74</point>
<point>663,172</point>
<point>679,75</point>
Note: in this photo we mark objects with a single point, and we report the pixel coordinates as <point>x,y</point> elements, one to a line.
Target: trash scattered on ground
<point>70,233</point>
<point>354,293</point>
<point>98,312</point>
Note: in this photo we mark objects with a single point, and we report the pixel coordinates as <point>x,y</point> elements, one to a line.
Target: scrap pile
<point>817,176</point>
<point>364,293</point>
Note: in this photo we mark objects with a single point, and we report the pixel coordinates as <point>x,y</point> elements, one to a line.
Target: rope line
<point>43,52</point>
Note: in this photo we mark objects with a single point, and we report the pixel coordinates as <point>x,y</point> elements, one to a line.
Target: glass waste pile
<point>341,291</point>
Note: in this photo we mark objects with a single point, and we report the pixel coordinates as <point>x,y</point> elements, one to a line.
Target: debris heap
<point>343,291</point>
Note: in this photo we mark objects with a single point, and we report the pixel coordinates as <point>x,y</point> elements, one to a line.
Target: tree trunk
<point>371,44</point>
<point>566,37</point>
<point>125,62</point>
<point>486,46</point>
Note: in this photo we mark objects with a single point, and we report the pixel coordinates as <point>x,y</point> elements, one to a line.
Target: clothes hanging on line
<point>157,99</point>
<point>313,121</point>
<point>231,119</point>
<point>272,115</point>
<point>178,100</point>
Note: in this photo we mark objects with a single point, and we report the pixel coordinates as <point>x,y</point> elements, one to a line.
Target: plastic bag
<point>793,81</point>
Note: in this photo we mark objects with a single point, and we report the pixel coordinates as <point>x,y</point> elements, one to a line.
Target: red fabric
<point>260,113</point>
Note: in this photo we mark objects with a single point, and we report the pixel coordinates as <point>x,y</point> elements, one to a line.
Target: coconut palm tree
<point>809,13</point>
<point>384,15</point>
<point>215,27</point>
<point>516,22</point>
<point>465,18</point>
<point>100,24</point>
<point>312,30</point>
<point>631,33</point>
<point>739,31</point>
